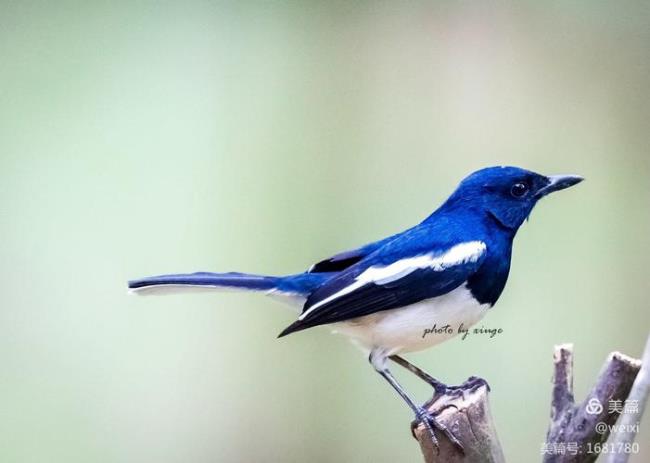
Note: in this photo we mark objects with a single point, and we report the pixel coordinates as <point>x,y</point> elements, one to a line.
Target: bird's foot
<point>474,382</point>
<point>430,422</point>
<point>440,388</point>
<point>470,385</point>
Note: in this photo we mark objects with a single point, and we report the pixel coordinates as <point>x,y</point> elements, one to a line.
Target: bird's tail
<point>294,288</point>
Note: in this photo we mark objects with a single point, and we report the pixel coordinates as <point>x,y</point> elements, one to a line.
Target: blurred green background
<point>139,138</point>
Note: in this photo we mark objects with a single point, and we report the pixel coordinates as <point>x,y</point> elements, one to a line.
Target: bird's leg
<point>439,386</point>
<point>471,384</point>
<point>378,361</point>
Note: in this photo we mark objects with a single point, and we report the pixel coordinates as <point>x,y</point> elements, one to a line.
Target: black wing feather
<point>347,259</point>
<point>416,286</point>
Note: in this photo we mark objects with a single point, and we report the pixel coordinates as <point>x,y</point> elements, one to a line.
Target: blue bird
<point>448,270</point>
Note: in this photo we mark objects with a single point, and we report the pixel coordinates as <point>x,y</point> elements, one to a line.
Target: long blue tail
<point>293,287</point>
<point>206,279</point>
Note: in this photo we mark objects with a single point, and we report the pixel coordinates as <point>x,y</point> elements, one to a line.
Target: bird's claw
<point>440,388</point>
<point>471,384</point>
<point>430,422</point>
<point>474,382</point>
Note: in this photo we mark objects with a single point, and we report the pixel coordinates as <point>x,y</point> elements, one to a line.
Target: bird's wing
<point>391,279</point>
<point>346,259</point>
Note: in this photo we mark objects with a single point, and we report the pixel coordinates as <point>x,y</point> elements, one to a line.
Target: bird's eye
<point>519,190</point>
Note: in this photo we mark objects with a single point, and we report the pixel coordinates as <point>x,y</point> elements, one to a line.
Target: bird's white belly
<point>416,326</point>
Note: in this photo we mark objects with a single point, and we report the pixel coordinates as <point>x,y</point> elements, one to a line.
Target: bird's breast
<point>416,326</point>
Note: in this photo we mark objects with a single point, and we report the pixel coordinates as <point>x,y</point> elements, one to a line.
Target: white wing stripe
<point>344,291</point>
<point>462,253</point>
<point>459,254</point>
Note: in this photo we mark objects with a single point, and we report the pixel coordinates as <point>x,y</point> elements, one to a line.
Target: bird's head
<point>507,194</point>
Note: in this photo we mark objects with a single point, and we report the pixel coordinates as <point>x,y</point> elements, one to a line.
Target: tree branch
<point>562,380</point>
<point>576,431</point>
<point>629,422</point>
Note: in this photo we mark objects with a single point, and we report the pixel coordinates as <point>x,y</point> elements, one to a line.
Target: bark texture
<point>630,421</point>
<point>466,413</point>
<point>575,430</point>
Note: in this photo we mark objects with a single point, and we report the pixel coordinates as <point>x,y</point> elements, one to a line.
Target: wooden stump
<point>466,413</point>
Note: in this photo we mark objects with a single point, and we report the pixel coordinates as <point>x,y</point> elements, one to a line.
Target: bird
<point>389,295</point>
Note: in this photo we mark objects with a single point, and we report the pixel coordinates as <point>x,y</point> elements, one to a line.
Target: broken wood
<point>465,411</point>
<point>629,422</point>
<point>576,432</point>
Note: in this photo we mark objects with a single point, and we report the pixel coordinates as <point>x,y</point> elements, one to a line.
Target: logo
<point>594,407</point>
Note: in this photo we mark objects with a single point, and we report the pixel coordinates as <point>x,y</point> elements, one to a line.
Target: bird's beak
<point>557,183</point>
